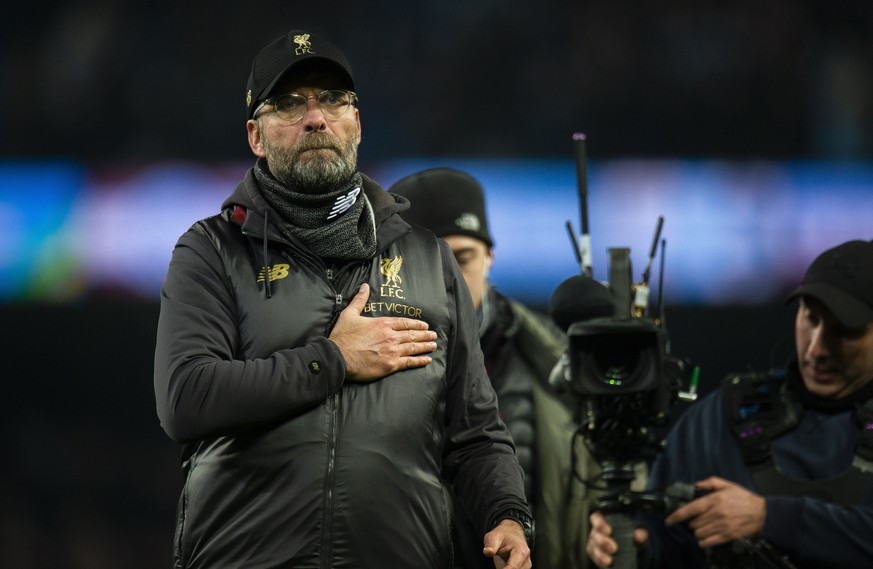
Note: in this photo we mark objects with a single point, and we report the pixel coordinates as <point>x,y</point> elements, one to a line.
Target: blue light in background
<point>37,258</point>
<point>131,219</point>
<point>735,232</point>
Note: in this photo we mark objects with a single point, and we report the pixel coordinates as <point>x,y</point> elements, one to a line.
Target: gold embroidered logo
<point>277,272</point>
<point>303,44</point>
<point>249,98</point>
<point>391,269</point>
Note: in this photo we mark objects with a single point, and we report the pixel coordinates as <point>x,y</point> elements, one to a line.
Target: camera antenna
<point>583,248</point>
<point>641,294</point>
<point>574,242</point>
<point>647,272</point>
<point>662,311</point>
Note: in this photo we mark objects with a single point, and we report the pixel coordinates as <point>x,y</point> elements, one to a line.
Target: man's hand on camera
<point>376,347</point>
<point>601,547</point>
<point>727,512</point>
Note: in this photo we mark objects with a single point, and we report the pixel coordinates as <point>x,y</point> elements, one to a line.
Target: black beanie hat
<point>446,201</point>
<point>285,52</point>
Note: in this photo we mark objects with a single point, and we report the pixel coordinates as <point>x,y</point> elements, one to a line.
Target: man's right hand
<point>601,547</point>
<point>376,347</point>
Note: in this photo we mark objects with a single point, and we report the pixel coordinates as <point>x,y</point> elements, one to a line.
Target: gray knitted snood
<point>337,224</point>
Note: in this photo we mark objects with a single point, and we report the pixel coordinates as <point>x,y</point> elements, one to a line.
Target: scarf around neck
<point>338,224</point>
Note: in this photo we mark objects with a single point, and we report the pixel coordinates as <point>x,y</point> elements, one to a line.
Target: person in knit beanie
<point>521,346</point>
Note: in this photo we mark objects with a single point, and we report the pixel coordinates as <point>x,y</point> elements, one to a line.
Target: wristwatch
<point>526,521</point>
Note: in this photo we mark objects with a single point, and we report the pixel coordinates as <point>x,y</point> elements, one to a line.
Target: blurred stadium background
<point>747,125</point>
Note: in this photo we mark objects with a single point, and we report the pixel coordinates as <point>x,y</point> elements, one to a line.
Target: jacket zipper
<point>333,403</point>
<point>326,556</point>
<point>330,478</point>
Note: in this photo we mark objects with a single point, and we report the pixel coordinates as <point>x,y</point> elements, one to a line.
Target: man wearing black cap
<point>319,358</point>
<point>784,460</point>
<point>521,348</point>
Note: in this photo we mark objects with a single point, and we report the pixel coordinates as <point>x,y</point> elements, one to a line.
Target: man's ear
<point>358,121</point>
<point>256,140</point>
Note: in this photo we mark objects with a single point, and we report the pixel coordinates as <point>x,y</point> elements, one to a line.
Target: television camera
<point>620,373</point>
<point>623,381</point>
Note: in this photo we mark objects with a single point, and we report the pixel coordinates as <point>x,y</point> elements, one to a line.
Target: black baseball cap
<point>446,201</point>
<point>841,278</point>
<point>286,52</point>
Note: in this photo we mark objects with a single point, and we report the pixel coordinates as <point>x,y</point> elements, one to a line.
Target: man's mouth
<point>318,150</point>
<point>823,374</point>
<point>325,147</point>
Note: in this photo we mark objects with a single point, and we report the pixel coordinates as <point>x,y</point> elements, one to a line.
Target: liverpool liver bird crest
<point>390,268</point>
<point>303,44</point>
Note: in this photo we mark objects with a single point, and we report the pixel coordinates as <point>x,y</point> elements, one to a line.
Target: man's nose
<point>819,342</point>
<point>313,118</point>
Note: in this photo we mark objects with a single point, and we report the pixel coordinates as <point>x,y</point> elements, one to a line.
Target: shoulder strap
<point>864,450</point>
<point>850,487</point>
<point>759,408</point>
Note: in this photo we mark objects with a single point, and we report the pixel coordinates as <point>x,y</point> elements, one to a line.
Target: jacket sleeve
<point>201,388</point>
<point>698,446</point>
<point>820,534</point>
<point>479,454</point>
<point>812,532</point>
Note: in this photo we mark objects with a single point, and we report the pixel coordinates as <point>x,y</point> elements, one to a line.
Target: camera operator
<point>521,347</point>
<point>783,461</point>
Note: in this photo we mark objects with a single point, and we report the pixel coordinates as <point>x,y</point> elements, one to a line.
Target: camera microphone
<point>578,299</point>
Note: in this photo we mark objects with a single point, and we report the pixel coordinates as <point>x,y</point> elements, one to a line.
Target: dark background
<point>137,81</point>
<point>89,480</point>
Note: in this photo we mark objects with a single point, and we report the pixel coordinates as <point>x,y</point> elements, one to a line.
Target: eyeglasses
<point>292,106</point>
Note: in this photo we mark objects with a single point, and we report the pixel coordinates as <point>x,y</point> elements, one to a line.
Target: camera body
<point>620,372</point>
<point>614,356</point>
<point>622,354</point>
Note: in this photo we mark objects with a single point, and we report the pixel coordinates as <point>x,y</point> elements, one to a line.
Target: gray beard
<point>314,174</point>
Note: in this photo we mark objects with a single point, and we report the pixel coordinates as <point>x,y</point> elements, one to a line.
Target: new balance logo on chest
<point>276,272</point>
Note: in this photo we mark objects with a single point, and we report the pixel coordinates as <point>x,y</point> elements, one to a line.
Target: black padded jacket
<point>285,463</point>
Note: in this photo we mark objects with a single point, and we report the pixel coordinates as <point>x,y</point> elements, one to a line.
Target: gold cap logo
<point>303,44</point>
